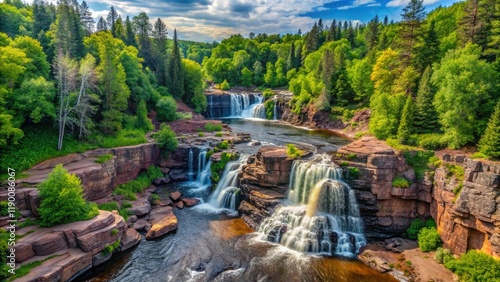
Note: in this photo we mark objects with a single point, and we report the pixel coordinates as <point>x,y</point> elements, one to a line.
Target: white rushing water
<point>324,216</point>
<point>227,192</point>
<point>190,165</point>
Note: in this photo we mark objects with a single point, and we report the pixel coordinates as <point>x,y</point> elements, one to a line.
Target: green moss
<point>400,182</point>
<point>353,172</point>
<point>110,248</point>
<point>211,127</point>
<point>103,158</point>
<point>293,152</point>
<point>218,134</point>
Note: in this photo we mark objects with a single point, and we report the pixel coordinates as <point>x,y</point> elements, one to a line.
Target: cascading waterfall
<point>226,194</point>
<point>260,111</point>
<point>232,105</point>
<point>275,111</point>
<point>190,165</point>
<point>324,217</point>
<point>203,175</point>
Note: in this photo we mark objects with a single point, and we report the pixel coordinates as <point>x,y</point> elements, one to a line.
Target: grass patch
<point>218,134</point>
<point>110,248</point>
<point>418,160</point>
<point>360,134</point>
<point>200,134</point>
<point>479,155</point>
<point>155,198</point>
<point>28,222</point>
<point>183,115</point>
<point>344,163</point>
<point>293,152</point>
<point>455,170</point>
<point>211,127</point>
<point>400,182</point>
<point>104,158</point>
<point>26,268</point>
<point>144,179</point>
<point>224,145</point>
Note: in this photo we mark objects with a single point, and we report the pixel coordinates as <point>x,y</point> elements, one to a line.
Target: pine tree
<point>350,36</point>
<point>490,142</point>
<point>406,124</point>
<point>493,49</point>
<point>343,89</point>
<point>176,79</point>
<point>386,20</point>
<point>339,31</point>
<point>426,117</point>
<point>129,33</point>
<point>428,52</point>
<point>86,18</point>
<point>160,51</point>
<point>411,24</point>
<point>311,42</point>
<point>102,25</point>
<point>142,117</point>
<point>332,32</point>
<point>372,33</point>
<point>111,20</point>
<point>143,30</point>
<point>290,62</point>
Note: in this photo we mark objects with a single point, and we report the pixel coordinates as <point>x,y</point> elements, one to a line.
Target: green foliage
<point>218,134</point>
<point>211,127</point>
<point>400,182</point>
<point>62,199</point>
<point>417,225</point>
<point>267,94</point>
<point>344,163</point>
<point>224,145</point>
<point>353,172</point>
<point>200,134</point>
<point>431,141</point>
<point>193,86</point>
<point>175,71</point>
<point>455,170</point>
<point>109,206</point>
<point>110,248</point>
<point>428,239</point>
<point>426,117</point>
<point>293,152</point>
<point>418,160</point>
<point>490,142</point>
<point>26,268</point>
<point>138,185</point>
<point>443,256</point>
<point>142,117</point>
<point>123,138</point>
<point>114,232</point>
<point>217,167</point>
<point>475,266</point>
<point>104,158</point>
<point>479,155</point>
<point>225,85</point>
<point>155,198</point>
<point>166,108</point>
<point>406,124</point>
<point>166,138</point>
<point>269,105</point>
<point>4,208</point>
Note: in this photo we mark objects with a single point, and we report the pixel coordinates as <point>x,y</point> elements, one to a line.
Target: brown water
<point>210,246</point>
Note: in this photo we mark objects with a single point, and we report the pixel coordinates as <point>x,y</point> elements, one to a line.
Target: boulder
<point>177,175</point>
<point>140,207</point>
<point>189,202</point>
<point>163,221</point>
<point>142,224</point>
<point>47,243</point>
<point>100,258</point>
<point>175,196</point>
<point>179,204</point>
<point>24,251</point>
<point>130,239</point>
<point>96,241</point>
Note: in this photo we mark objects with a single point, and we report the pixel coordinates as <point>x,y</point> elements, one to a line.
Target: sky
<point>214,20</point>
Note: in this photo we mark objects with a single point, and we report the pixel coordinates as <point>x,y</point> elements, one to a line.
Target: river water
<point>212,246</point>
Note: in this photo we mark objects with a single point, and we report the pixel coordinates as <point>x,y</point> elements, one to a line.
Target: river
<point>212,246</point>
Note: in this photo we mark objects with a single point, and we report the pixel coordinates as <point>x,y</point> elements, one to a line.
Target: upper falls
<point>232,105</point>
<point>323,216</point>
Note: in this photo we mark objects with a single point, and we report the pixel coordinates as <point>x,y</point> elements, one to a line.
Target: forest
<point>430,80</point>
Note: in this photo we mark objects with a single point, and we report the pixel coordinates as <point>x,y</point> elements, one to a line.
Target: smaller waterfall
<point>275,111</point>
<point>226,194</point>
<point>250,111</point>
<point>260,111</point>
<point>203,175</point>
<point>190,165</point>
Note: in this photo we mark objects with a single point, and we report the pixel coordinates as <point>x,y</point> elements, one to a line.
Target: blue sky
<point>209,20</point>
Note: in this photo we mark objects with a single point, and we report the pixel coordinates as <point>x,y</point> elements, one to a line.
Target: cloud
<point>400,3</point>
<point>360,3</point>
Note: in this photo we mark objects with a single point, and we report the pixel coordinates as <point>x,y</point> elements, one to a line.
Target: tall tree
<point>102,25</point>
<point>143,28</point>
<point>493,49</point>
<point>311,42</point>
<point>406,125</point>
<point>412,17</point>
<point>426,120</point>
<point>371,33</point>
<point>86,18</point>
<point>129,33</point>
<point>332,32</point>
<point>428,52</point>
<point>175,72</point>
<point>160,51</point>
<point>290,62</point>
<point>490,142</point>
<point>386,20</point>
<point>111,20</point>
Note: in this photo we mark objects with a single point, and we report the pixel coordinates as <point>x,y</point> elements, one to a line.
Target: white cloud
<point>358,3</point>
<point>400,3</point>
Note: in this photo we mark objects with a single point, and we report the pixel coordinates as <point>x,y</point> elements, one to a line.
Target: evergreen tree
<point>129,33</point>
<point>493,49</point>
<point>143,28</point>
<point>102,25</point>
<point>343,89</point>
<point>339,31</point>
<point>406,124</point>
<point>332,32</point>
<point>371,34</point>
<point>111,20</point>
<point>120,29</point>
<point>350,36</point>
<point>290,62</point>
<point>428,52</point>
<point>176,79</point>
<point>311,42</point>
<point>41,17</point>
<point>86,18</point>
<point>258,71</point>
<point>386,20</point>
<point>490,142</point>
<point>143,122</point>
<point>425,113</point>
<point>476,22</point>
<point>411,22</point>
<point>160,51</point>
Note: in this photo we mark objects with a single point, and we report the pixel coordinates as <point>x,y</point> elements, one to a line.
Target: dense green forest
<point>430,80</point>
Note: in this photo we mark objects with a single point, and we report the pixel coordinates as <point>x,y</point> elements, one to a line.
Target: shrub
<point>114,232</point>
<point>143,122</point>
<point>417,225</point>
<point>109,206</point>
<point>418,160</point>
<point>428,239</point>
<point>62,199</point>
<point>432,141</point>
<point>475,266</point>
<point>166,109</point>
<point>455,170</point>
<point>4,208</point>
<point>443,256</point>
<point>353,172</point>
<point>183,115</point>
<point>166,138</point>
<point>200,134</point>
<point>350,156</point>
<point>224,145</point>
<point>267,94</point>
<point>225,85</point>
<point>144,179</point>
<point>155,198</point>
<point>434,161</point>
<point>110,248</point>
<point>344,163</point>
<point>293,152</point>
<point>103,158</point>
<point>218,134</point>
<point>269,105</point>
<point>211,127</point>
<point>479,155</point>
<point>400,182</point>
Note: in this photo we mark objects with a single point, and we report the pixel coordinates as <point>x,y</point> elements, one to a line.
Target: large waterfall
<point>227,193</point>
<point>324,216</point>
<point>232,105</point>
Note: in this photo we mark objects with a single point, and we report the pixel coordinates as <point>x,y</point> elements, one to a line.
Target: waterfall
<point>275,111</point>
<point>324,217</point>
<point>260,111</point>
<point>203,175</point>
<point>190,165</point>
<point>226,194</point>
<point>232,105</point>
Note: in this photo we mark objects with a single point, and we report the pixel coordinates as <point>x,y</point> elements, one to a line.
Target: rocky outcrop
<point>263,183</point>
<point>386,210</point>
<point>99,180</point>
<point>468,217</point>
<point>163,221</point>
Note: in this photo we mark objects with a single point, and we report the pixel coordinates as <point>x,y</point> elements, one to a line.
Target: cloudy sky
<point>209,20</point>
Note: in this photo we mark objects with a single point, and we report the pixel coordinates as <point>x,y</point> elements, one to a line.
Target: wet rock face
<point>469,219</point>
